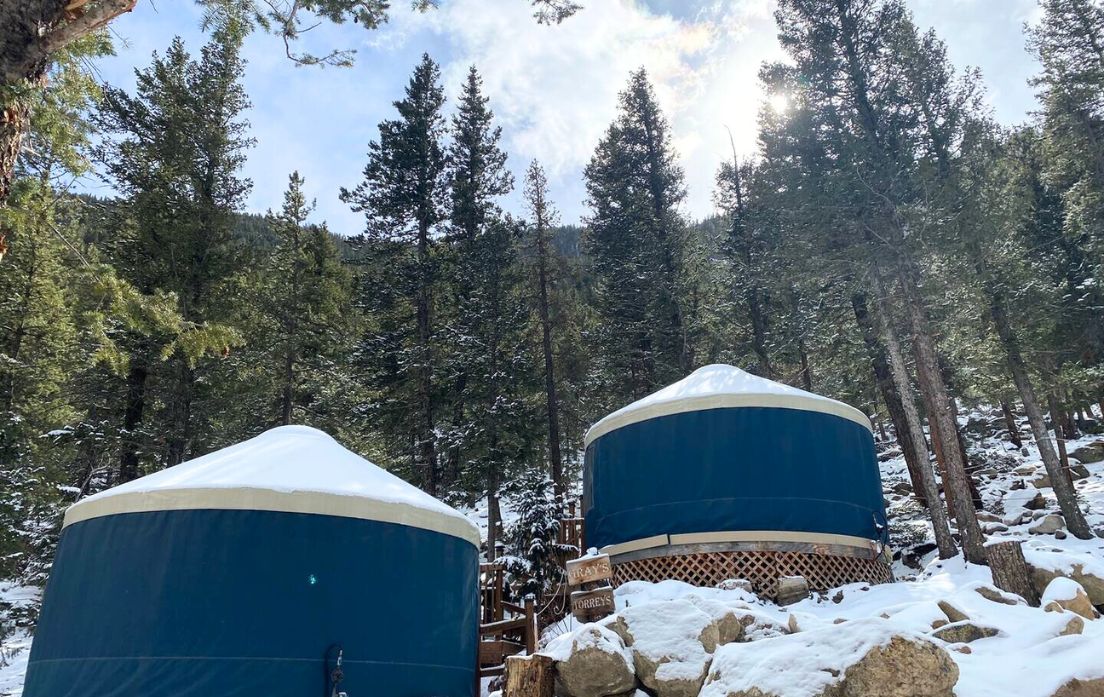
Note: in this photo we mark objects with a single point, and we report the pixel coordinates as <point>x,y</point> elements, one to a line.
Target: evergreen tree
<point>543,219</point>
<point>304,296</point>
<point>175,153</point>
<point>636,238</point>
<point>403,198</point>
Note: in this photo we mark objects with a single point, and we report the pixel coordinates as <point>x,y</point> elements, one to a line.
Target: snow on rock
<point>672,642</point>
<point>1066,594</point>
<point>1084,567</point>
<point>863,658</point>
<point>592,661</point>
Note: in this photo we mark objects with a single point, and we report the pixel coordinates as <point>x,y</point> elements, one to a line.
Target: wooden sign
<point>588,606</point>
<point>589,570</point>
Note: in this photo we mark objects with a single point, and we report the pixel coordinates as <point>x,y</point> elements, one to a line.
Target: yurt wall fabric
<point>237,600</point>
<point>749,468</point>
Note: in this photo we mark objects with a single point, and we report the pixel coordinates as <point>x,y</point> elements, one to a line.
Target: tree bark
<point>528,676</point>
<point>1010,571</point>
<point>31,31</point>
<point>896,364</point>
<point>1011,425</point>
<point>133,412</point>
<point>1059,476</point>
<point>426,455</point>
<point>931,383</point>
<point>890,395</point>
<point>180,437</point>
<point>555,460</point>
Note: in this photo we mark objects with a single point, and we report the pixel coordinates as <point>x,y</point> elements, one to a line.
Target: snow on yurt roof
<point>718,386</point>
<point>294,469</point>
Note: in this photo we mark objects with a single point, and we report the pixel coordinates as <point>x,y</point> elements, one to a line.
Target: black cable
<point>332,678</point>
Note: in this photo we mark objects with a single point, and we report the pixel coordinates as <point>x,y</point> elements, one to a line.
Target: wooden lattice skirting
<point>762,567</point>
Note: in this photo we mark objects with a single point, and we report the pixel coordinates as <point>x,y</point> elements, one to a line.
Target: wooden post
<point>528,676</point>
<point>1010,571</point>
<point>530,624</point>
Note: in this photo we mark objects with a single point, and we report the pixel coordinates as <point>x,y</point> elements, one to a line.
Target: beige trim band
<point>721,401</point>
<point>815,538</point>
<point>635,545</point>
<point>250,499</point>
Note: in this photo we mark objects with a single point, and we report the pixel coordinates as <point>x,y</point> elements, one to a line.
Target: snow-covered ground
<point>1027,656</point>
<point>16,604</point>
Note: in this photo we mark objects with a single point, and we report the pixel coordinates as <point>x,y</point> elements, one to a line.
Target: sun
<point>779,103</point>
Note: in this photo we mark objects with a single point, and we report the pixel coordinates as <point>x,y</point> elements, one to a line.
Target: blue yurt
<point>727,475</point>
<point>254,570</point>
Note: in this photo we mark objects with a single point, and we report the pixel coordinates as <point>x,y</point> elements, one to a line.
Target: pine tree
<point>544,217</point>
<point>477,179</point>
<point>175,153</point>
<point>403,198</point>
<point>304,298</point>
<point>637,241</point>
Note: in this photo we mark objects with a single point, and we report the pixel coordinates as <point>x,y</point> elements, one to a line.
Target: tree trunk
<point>555,461</point>
<point>896,365</point>
<point>180,437</point>
<point>1010,572</point>
<point>892,398</point>
<point>492,523</point>
<point>528,676</point>
<point>1011,425</point>
<point>133,411</point>
<point>426,455</point>
<point>1059,476</point>
<point>287,393</point>
<point>31,31</point>
<point>931,384</point>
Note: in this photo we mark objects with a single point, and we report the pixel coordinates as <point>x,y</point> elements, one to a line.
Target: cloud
<point>554,89</point>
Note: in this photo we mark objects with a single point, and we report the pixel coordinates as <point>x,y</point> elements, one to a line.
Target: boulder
<point>1036,503</point>
<point>731,584</point>
<point>591,662</point>
<point>1076,625</point>
<point>760,625</point>
<point>902,488</point>
<point>1093,584</point>
<point>671,643</point>
<point>1025,470</point>
<point>791,589</point>
<point>1068,594</point>
<point>729,627</point>
<point>859,658</point>
<point>903,668</point>
<point>1078,471</point>
<point>1093,452</point>
<point>1042,482</point>
<point>987,517</point>
<point>998,596</point>
<point>1048,525</point>
<point>953,613</point>
<point>1093,687</point>
<point>964,632</point>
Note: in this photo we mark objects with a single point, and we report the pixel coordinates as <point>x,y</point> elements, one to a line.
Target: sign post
<point>594,599</point>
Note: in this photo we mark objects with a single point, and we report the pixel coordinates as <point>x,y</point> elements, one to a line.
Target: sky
<point>553,89</point>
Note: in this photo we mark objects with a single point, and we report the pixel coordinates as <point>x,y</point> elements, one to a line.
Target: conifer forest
<point>890,244</point>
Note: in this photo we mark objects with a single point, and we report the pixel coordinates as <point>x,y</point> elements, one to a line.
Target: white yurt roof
<point>294,469</point>
<point>719,386</point>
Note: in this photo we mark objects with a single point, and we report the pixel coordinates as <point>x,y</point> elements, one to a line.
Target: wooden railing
<point>507,628</point>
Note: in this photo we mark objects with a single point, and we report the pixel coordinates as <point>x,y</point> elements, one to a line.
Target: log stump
<point>528,676</point>
<point>1010,570</point>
